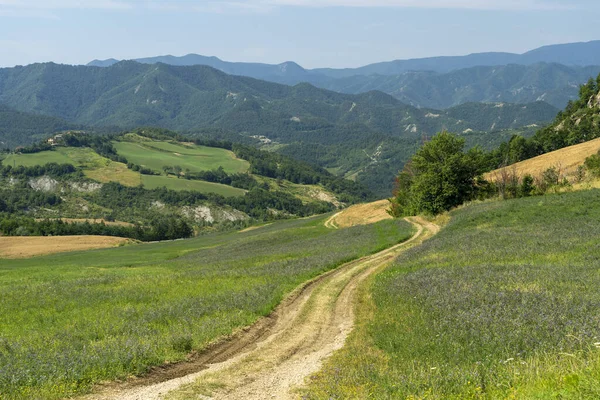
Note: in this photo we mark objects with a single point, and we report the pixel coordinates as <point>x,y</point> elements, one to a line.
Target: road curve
<point>274,356</point>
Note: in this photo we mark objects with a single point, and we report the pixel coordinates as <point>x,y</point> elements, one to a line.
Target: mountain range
<point>343,132</point>
<point>550,73</point>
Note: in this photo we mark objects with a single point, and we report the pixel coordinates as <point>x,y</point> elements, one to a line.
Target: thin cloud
<point>429,4</point>
<point>63,4</point>
<point>11,7</point>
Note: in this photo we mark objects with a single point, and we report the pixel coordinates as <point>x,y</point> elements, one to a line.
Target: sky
<point>313,33</point>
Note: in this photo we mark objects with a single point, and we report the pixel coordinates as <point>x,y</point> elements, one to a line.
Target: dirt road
<point>274,356</point>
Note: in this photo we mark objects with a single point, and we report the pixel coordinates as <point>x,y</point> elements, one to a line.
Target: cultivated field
<point>502,304</point>
<point>31,246</point>
<point>156,155</point>
<point>71,320</point>
<point>41,158</point>
<point>564,160</point>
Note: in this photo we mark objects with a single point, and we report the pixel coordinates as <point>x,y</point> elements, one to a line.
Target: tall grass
<point>503,303</point>
<point>75,319</point>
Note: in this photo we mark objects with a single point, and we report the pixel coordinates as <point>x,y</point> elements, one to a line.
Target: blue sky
<point>314,33</point>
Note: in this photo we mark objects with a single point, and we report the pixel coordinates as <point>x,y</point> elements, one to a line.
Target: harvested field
<point>360,214</point>
<point>564,160</point>
<point>31,246</point>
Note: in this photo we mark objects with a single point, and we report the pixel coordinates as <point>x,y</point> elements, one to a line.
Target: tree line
<point>159,228</point>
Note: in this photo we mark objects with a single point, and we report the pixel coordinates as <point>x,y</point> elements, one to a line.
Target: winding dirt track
<point>274,356</point>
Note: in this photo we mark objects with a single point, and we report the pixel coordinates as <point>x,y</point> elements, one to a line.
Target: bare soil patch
<point>31,246</point>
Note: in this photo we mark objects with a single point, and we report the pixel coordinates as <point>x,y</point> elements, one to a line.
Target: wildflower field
<point>71,320</point>
<point>503,303</point>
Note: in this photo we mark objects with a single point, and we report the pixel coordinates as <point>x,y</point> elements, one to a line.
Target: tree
<point>440,176</point>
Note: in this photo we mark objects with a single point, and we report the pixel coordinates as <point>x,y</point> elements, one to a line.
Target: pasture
<point>41,158</point>
<point>502,303</point>
<point>94,166</point>
<point>156,155</point>
<point>75,319</point>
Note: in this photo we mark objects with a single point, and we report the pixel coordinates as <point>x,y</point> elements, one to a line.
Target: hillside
<point>365,136</point>
<point>500,304</point>
<point>130,94</point>
<point>553,83</point>
<point>21,128</point>
<point>579,122</point>
<point>153,181</point>
<point>565,161</point>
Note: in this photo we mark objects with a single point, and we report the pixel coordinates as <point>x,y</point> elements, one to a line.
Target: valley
<point>337,131</point>
<point>192,228</point>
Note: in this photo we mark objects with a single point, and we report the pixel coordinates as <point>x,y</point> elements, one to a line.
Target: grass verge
<point>502,303</point>
<point>71,320</point>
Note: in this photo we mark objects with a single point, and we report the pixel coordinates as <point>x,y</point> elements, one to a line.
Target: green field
<point>170,182</point>
<point>156,155</point>
<point>94,166</point>
<point>75,319</point>
<point>502,304</point>
<point>41,158</point>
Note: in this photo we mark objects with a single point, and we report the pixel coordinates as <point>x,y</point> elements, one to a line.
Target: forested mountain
<point>130,94</point>
<point>20,128</point>
<point>552,83</point>
<point>288,72</point>
<point>551,73</point>
<point>348,134</point>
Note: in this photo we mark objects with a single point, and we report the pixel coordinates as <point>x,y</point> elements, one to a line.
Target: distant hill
<point>549,73</point>
<point>579,54</point>
<point>130,94</point>
<point>553,83</point>
<point>349,134</point>
<point>287,73</point>
<point>575,54</point>
<point>20,128</point>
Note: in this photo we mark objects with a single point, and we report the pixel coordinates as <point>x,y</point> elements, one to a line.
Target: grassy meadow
<point>502,304</point>
<point>74,319</point>
<point>94,166</point>
<point>156,155</point>
<point>41,158</point>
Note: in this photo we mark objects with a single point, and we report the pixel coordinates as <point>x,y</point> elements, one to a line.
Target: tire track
<point>272,357</point>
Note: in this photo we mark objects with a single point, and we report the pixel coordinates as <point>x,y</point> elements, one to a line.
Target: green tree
<point>440,176</point>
